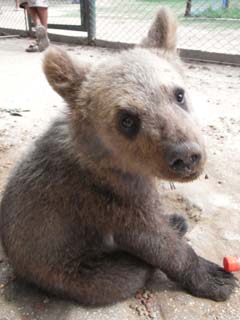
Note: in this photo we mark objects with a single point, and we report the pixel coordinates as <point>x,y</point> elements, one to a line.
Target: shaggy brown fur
<point>81,214</point>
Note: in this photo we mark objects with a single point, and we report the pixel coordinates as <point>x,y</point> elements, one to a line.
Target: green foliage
<point>230,13</point>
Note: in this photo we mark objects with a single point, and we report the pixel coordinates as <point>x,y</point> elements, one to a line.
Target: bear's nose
<point>184,158</point>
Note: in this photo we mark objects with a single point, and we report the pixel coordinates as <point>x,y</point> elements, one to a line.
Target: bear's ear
<point>162,33</point>
<point>64,74</point>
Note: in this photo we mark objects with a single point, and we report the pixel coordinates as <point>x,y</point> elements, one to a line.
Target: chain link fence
<point>204,25</point>
<point>11,18</point>
<point>207,25</point>
<point>64,13</point>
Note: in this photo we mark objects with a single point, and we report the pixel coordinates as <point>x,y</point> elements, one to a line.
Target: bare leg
<point>34,15</point>
<point>43,16</point>
<point>17,4</point>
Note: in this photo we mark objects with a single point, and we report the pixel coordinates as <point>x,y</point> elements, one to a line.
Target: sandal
<point>33,47</point>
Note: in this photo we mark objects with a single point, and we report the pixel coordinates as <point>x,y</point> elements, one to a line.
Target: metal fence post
<point>29,24</point>
<point>188,8</point>
<point>91,21</point>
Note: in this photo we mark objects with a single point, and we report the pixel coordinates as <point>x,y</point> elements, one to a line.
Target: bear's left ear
<point>64,74</point>
<point>162,33</point>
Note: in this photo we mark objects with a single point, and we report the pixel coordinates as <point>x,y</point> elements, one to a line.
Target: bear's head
<point>132,111</point>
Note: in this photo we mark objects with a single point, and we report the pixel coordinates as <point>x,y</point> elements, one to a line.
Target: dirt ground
<point>212,204</point>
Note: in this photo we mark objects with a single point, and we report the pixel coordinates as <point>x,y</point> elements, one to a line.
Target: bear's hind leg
<point>102,281</point>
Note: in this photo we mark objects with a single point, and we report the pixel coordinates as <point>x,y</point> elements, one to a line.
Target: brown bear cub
<point>81,214</point>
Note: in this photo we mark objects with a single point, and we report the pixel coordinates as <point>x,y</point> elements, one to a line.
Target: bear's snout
<point>185,159</point>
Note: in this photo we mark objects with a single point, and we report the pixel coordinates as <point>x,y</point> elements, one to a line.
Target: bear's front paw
<point>209,280</point>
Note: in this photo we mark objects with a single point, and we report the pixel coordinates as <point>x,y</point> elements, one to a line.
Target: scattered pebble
<point>145,307</point>
<point>39,306</point>
<point>46,300</point>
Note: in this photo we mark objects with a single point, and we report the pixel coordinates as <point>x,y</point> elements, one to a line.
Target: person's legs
<point>43,15</point>
<point>33,47</point>
<point>39,15</point>
<point>41,30</point>
<point>32,11</point>
<point>17,4</point>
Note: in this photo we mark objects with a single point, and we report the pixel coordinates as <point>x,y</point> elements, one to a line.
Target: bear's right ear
<point>162,33</point>
<point>63,74</point>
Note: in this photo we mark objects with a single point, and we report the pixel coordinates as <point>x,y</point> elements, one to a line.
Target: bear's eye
<point>128,123</point>
<point>180,96</point>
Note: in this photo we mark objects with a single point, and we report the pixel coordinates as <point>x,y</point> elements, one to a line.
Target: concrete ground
<point>212,204</point>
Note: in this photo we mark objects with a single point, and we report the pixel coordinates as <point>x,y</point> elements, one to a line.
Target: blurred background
<point>204,25</point>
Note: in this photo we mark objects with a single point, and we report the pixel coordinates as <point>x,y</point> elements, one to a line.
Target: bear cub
<point>81,215</point>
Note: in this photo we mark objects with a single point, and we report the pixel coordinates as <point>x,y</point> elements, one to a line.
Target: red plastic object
<point>231,263</point>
